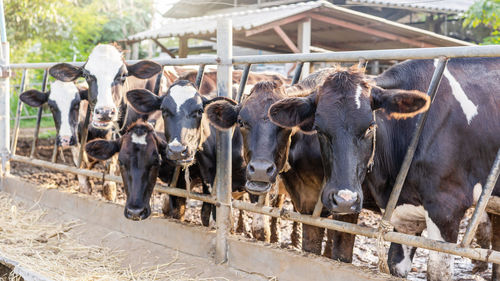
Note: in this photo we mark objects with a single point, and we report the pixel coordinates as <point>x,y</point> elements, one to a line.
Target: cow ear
<point>144,101</point>
<point>84,94</point>
<point>399,104</point>
<point>34,98</point>
<point>65,72</point>
<point>102,149</point>
<point>144,69</point>
<point>297,111</point>
<point>222,112</point>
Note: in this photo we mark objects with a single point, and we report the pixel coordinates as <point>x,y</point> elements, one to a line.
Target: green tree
<point>487,13</point>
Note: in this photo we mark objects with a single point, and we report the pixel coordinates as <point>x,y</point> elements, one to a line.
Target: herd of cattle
<point>337,132</point>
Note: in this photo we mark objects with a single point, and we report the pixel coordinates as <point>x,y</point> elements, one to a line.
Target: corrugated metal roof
<point>243,20</point>
<point>325,35</point>
<point>444,6</point>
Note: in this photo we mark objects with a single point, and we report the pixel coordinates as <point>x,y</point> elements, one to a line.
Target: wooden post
<point>183,47</point>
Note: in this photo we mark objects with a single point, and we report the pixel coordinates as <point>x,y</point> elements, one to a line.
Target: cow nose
<point>65,140</point>
<point>105,113</point>
<point>136,213</point>
<point>261,170</point>
<point>342,201</point>
<point>177,152</point>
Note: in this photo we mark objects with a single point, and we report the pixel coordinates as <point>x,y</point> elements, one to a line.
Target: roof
<point>333,28</point>
<point>443,6</point>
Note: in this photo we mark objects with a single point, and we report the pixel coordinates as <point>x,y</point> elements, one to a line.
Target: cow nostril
<point>251,168</point>
<point>270,170</point>
<point>184,151</point>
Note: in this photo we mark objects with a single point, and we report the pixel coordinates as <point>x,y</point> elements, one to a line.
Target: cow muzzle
<point>103,117</point>
<point>65,141</point>
<point>260,176</point>
<point>343,201</point>
<point>137,213</point>
<point>179,153</point>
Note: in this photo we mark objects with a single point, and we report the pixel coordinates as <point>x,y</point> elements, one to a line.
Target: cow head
<point>106,73</point>
<point>182,110</point>
<point>341,111</point>
<point>265,144</point>
<point>139,158</point>
<point>64,102</point>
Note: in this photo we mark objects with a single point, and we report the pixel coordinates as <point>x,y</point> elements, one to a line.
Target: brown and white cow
<point>456,149</point>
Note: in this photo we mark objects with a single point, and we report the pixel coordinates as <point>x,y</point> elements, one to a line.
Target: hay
<point>49,250</point>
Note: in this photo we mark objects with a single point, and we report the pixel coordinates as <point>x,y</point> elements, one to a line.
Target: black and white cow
<point>456,149</point>
<point>109,78</point>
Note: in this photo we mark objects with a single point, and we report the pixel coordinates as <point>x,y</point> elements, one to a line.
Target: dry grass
<point>50,251</point>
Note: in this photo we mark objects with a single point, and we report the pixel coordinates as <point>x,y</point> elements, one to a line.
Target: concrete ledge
<point>251,257</point>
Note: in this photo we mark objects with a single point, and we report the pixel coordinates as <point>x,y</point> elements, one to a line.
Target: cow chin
<point>103,125</point>
<point>258,187</point>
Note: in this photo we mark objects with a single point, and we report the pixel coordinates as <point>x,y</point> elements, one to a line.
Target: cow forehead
<point>63,92</point>
<point>104,61</point>
<point>180,94</point>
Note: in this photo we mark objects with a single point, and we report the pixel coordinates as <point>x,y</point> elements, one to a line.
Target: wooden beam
<point>273,24</point>
<point>163,48</point>
<point>371,31</point>
<point>183,47</point>
<point>286,39</point>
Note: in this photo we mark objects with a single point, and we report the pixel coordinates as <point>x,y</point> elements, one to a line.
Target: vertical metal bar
<point>483,201</point>
<point>84,134</point>
<point>39,116</point>
<point>199,75</point>
<point>18,113</point>
<point>224,165</point>
<point>243,82</point>
<point>298,72</point>
<point>400,179</point>
<point>4,98</point>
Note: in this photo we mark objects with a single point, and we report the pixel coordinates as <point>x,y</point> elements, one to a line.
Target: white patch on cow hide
<point>180,94</point>
<point>468,107</point>
<point>409,219</point>
<point>439,265</point>
<point>403,267</point>
<point>63,94</point>
<point>347,195</point>
<point>357,95</point>
<point>139,139</point>
<point>104,62</point>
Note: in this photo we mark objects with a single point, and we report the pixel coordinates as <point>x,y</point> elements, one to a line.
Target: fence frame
<point>222,199</point>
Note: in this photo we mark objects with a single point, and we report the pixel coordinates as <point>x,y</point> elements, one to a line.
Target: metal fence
<point>222,195</point>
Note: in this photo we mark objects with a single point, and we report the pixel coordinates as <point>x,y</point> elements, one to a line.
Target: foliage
<point>485,12</point>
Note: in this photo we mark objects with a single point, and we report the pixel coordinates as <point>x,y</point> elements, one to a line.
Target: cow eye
<point>197,113</point>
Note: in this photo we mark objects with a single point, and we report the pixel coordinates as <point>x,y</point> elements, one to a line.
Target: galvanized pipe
<point>405,166</point>
<point>19,109</point>
<point>243,83</point>
<point>223,140</point>
<point>395,237</point>
<point>39,115</point>
<point>483,201</point>
<point>4,96</point>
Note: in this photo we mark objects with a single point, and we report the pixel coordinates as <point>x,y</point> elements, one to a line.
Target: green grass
<point>46,122</point>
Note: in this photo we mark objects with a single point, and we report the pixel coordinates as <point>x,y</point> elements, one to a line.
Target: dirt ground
<point>364,252</point>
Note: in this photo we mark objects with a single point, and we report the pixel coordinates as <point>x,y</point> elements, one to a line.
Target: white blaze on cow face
<point>63,94</point>
<point>104,63</point>
<point>180,94</point>
<point>175,142</point>
<point>139,139</point>
<point>468,107</point>
<point>357,96</point>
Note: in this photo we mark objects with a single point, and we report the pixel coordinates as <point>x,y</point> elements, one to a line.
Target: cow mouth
<point>257,187</point>
<point>184,162</point>
<point>101,124</point>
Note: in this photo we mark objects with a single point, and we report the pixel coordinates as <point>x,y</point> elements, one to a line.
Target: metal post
<point>304,42</point>
<point>18,113</point>
<point>199,75</point>
<point>483,201</point>
<point>298,73</point>
<point>39,116</point>
<point>400,179</point>
<point>84,134</point>
<point>224,165</point>
<point>243,82</point>
<point>4,96</point>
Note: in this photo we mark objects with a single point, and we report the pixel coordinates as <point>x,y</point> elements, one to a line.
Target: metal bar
<point>39,115</point>
<point>483,201</point>
<point>34,116</point>
<point>298,73</point>
<point>18,113</point>
<point>224,165</point>
<point>84,134</point>
<point>405,166</point>
<point>243,82</point>
<point>199,75</point>
<point>4,101</point>
<point>395,237</point>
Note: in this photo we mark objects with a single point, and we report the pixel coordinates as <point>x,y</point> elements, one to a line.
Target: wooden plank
<point>273,24</point>
<point>371,31</point>
<point>163,48</point>
<point>286,39</point>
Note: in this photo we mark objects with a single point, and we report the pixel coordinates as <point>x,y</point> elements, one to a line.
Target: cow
<point>281,154</point>
<point>456,149</point>
<point>109,78</point>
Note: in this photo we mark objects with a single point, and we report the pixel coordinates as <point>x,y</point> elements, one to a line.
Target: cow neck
<point>371,161</point>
